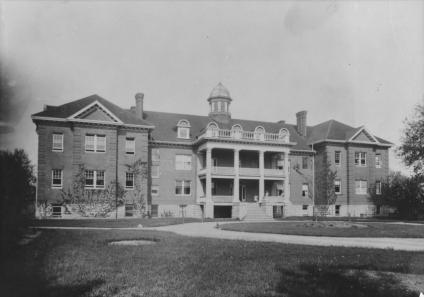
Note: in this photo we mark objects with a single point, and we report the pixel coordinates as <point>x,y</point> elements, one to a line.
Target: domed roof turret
<point>220,92</point>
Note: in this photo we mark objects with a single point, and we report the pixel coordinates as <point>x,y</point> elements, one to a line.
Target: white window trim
<point>157,190</point>
<point>95,187</point>
<point>378,187</point>
<point>378,157</point>
<point>158,172</point>
<point>130,149</point>
<point>183,125</point>
<point>96,150</point>
<point>340,158</point>
<point>61,179</point>
<point>154,154</point>
<point>361,192</point>
<point>306,191</point>
<point>340,186</point>
<point>61,145</point>
<point>360,158</point>
<point>183,182</point>
<point>133,181</point>
<point>183,163</point>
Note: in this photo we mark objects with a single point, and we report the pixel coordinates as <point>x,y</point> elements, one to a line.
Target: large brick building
<point>210,165</point>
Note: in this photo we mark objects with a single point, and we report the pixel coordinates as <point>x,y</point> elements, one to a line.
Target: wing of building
<point>213,165</point>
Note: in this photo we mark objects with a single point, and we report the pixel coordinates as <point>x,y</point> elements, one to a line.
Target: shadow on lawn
<point>328,281</point>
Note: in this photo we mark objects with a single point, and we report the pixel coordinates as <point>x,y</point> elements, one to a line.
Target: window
<point>130,146</point>
<point>129,210</point>
<point>360,159</point>
<point>305,207</point>
<point>57,142</point>
<point>361,187</point>
<point>283,135</point>
<point>337,186</point>
<point>155,190</point>
<point>337,157</point>
<point>155,155</point>
<point>213,130</point>
<point>95,143</point>
<point>378,161</point>
<point>183,187</point>
<point>155,171</point>
<point>337,210</point>
<point>305,190</point>
<point>57,178</point>
<point>305,162</point>
<point>182,162</point>
<point>215,106</point>
<point>236,131</point>
<point>56,211</point>
<point>94,179</point>
<point>129,180</point>
<point>183,129</point>
<point>259,133</point>
<point>378,187</point>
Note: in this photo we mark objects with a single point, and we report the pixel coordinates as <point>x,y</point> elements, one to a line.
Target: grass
<point>372,229</point>
<point>81,263</point>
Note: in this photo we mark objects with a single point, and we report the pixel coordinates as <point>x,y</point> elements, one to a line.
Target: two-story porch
<point>231,175</point>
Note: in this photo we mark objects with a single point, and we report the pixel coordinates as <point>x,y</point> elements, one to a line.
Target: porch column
<point>287,175</point>
<point>262,176</point>
<point>236,185</point>
<point>209,206</point>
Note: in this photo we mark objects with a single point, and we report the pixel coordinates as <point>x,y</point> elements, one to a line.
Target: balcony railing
<point>245,135</point>
<point>273,172</point>
<point>223,170</point>
<point>222,198</point>
<point>201,199</point>
<point>273,199</point>
<point>249,171</point>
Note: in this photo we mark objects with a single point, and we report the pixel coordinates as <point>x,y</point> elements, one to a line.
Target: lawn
<point>81,263</point>
<point>328,228</point>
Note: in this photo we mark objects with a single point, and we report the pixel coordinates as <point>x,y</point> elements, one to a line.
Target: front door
<point>243,193</point>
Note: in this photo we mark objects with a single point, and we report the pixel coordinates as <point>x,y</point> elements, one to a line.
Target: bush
<point>17,194</point>
<point>402,193</point>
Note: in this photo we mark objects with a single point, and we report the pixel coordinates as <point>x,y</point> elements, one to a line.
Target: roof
<point>334,130</point>
<point>166,127</point>
<point>219,92</point>
<point>64,111</point>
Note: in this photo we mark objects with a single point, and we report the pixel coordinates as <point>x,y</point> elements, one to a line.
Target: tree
<point>402,193</point>
<point>139,169</point>
<point>412,147</point>
<point>17,193</point>
<point>325,194</point>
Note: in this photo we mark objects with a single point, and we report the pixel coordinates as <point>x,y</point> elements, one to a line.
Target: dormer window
<point>212,130</point>
<point>236,131</point>
<point>183,129</point>
<point>260,133</point>
<point>284,135</point>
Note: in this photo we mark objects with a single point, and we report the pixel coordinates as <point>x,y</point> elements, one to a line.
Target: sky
<point>359,62</point>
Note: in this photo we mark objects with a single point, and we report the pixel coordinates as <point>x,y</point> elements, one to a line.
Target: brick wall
<point>299,176</point>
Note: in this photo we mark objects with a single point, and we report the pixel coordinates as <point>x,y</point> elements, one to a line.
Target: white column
<point>209,205</point>
<point>287,174</point>
<point>236,185</point>
<point>262,175</point>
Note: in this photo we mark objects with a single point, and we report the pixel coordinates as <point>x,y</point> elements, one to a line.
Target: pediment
<point>95,112</point>
<point>363,136</point>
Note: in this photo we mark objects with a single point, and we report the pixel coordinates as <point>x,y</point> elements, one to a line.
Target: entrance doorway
<point>277,211</point>
<point>243,193</point>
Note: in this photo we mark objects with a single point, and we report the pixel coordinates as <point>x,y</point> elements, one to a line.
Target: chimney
<point>301,122</point>
<point>139,104</point>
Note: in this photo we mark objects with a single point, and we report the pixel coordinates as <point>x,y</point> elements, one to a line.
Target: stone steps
<point>256,213</point>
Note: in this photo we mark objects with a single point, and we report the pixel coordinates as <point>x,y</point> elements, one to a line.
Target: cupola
<point>219,104</point>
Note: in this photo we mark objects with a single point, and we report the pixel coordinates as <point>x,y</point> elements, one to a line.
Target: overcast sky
<point>359,62</point>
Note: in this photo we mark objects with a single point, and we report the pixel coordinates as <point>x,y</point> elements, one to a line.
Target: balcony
<point>223,170</point>
<point>245,135</point>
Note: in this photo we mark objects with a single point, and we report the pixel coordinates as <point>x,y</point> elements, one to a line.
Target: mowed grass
<point>371,229</point>
<point>81,263</point>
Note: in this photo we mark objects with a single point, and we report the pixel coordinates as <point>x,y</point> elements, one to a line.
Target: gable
<point>363,136</point>
<point>95,113</point>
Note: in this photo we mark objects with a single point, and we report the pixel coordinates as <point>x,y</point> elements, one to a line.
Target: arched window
<point>183,129</point>
<point>259,133</point>
<point>236,131</point>
<point>284,135</point>
<point>212,130</point>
